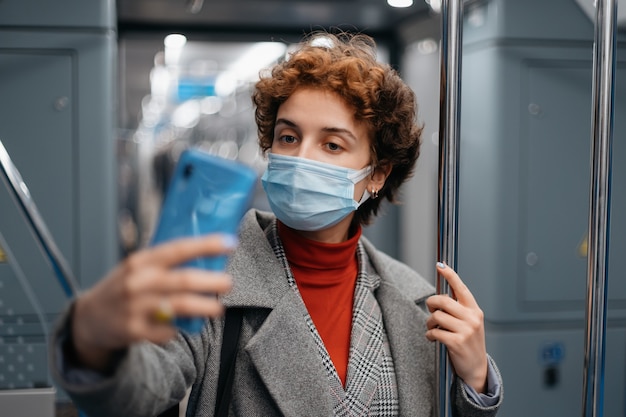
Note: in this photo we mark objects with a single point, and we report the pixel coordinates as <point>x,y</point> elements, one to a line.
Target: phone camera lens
<point>187,171</point>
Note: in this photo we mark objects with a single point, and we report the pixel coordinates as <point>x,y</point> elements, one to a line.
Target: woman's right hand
<point>121,309</point>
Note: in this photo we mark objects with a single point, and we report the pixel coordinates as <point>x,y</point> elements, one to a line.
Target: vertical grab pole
<point>600,193</point>
<point>449,127</point>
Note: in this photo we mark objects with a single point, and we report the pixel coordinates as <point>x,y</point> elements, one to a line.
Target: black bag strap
<point>232,328</point>
<point>228,354</point>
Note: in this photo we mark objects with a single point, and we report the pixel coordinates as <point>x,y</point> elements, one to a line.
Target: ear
<point>378,178</point>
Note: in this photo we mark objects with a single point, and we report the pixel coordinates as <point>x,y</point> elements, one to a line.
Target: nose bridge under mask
<point>277,161</point>
<point>311,195</point>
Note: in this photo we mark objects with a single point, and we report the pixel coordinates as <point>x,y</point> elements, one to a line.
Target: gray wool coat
<point>278,371</point>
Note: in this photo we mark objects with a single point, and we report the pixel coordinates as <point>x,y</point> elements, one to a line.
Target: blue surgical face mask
<point>310,195</point>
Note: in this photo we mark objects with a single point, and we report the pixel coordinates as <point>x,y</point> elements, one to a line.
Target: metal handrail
<point>600,198</point>
<point>29,210</point>
<point>449,134</point>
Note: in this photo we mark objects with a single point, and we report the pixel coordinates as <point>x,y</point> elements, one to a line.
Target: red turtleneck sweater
<point>326,276</point>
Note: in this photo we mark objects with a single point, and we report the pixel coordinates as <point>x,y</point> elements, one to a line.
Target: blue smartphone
<point>206,194</point>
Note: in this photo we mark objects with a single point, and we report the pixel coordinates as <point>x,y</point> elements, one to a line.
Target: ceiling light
<point>160,81</point>
<point>210,105</point>
<point>174,45</point>
<point>427,46</point>
<point>175,40</point>
<point>400,3</point>
<point>226,83</point>
<point>259,56</point>
<point>187,114</point>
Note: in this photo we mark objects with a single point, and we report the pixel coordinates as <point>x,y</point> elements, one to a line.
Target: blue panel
<point>195,88</point>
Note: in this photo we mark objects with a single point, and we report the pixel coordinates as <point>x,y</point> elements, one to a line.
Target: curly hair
<point>346,65</point>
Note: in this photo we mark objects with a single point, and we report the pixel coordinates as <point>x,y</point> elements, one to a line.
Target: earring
<point>374,193</point>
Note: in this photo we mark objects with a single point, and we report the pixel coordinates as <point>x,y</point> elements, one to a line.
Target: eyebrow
<point>325,129</point>
<point>286,122</point>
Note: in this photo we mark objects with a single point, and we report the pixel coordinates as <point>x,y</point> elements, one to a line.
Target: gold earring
<point>374,193</point>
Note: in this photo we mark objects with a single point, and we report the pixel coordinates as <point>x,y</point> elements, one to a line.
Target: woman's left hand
<point>459,325</point>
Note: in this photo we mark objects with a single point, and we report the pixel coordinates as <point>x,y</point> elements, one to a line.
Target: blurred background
<point>100,97</point>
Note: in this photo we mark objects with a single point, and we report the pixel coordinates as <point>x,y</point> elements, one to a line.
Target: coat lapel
<point>413,355</point>
<point>401,297</point>
<point>282,350</point>
<point>284,353</point>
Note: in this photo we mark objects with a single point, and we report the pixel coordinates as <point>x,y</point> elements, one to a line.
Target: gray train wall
<point>524,195</point>
<point>524,201</point>
<point>57,116</point>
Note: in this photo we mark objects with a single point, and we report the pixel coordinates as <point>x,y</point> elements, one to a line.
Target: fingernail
<point>441,265</point>
<point>230,241</point>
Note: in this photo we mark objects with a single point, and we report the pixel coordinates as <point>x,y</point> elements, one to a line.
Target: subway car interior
<point>100,97</point>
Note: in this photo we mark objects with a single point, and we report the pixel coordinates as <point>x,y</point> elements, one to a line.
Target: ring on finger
<point>165,312</point>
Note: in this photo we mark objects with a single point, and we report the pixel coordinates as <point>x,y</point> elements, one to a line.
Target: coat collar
<point>254,267</point>
<point>282,350</point>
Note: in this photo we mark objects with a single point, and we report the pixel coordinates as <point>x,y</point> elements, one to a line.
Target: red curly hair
<point>346,65</point>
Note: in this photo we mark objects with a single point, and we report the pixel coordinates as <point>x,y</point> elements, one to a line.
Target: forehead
<point>311,97</point>
<point>313,105</point>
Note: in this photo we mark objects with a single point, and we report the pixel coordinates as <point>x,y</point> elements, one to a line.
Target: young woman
<point>331,326</point>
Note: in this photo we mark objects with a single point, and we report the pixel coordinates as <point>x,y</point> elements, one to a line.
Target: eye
<point>333,147</point>
<point>288,139</point>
